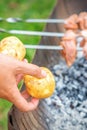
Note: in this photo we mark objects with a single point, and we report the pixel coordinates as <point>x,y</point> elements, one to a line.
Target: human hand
<point>11,71</point>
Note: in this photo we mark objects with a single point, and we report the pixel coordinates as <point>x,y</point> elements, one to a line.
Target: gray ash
<point>68,104</point>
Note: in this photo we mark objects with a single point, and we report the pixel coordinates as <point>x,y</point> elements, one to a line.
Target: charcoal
<point>74,86</point>
<point>74,122</point>
<point>85,75</point>
<point>85,65</point>
<point>81,79</point>
<point>68,104</point>
<point>76,83</point>
<point>55,67</point>
<point>56,79</point>
<point>81,60</point>
<point>74,73</point>
<point>82,114</point>
<point>66,79</point>
<point>80,97</point>
<point>70,71</point>
<point>75,103</point>
<point>77,74</point>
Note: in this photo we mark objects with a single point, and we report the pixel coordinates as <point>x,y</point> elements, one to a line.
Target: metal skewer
<point>44,20</point>
<point>36,33</point>
<point>48,47</point>
<point>14,20</point>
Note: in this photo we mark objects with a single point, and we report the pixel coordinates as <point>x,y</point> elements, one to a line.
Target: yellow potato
<point>40,88</point>
<point>12,46</point>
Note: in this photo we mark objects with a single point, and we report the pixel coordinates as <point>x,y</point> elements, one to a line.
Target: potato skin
<point>40,88</point>
<point>12,46</point>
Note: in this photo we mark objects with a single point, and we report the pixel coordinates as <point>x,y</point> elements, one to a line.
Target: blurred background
<point>37,9</point>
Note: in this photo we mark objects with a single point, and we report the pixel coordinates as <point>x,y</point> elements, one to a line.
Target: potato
<point>40,88</point>
<point>12,46</point>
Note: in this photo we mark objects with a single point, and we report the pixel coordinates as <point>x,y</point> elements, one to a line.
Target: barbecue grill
<point>48,115</point>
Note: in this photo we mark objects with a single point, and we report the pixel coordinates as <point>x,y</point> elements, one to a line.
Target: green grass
<point>23,9</point>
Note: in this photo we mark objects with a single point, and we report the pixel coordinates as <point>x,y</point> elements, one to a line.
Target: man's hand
<point>11,72</point>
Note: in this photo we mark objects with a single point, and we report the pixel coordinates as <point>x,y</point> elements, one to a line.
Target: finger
<point>19,78</point>
<point>25,60</point>
<point>19,101</point>
<point>31,69</point>
<point>25,94</point>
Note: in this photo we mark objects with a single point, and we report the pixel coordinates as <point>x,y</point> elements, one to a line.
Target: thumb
<point>31,69</point>
<point>21,103</point>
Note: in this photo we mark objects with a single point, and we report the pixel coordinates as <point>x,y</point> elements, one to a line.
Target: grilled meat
<point>71,22</point>
<point>69,47</point>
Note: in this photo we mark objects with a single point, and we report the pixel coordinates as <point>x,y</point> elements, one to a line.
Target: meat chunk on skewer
<point>84,42</point>
<point>69,47</point>
<point>75,22</point>
<point>71,22</point>
<point>82,20</point>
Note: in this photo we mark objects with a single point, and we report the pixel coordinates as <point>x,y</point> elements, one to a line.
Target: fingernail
<point>25,60</point>
<point>44,73</point>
